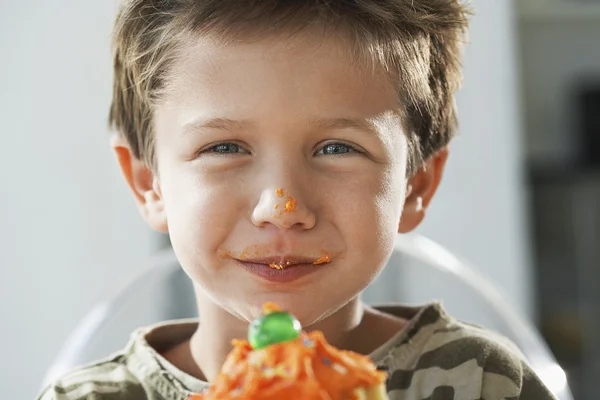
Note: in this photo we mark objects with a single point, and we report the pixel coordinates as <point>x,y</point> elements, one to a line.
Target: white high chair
<point>164,292</point>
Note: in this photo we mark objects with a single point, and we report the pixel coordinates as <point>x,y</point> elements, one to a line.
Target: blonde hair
<point>419,41</point>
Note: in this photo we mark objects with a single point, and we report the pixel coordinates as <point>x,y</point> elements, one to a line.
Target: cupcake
<point>279,361</point>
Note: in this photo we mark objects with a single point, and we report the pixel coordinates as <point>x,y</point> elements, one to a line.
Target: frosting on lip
<point>281,262</point>
<point>322,260</point>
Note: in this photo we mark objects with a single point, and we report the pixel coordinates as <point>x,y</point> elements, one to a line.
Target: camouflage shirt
<point>433,357</point>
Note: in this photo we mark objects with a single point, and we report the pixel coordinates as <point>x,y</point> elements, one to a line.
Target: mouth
<point>281,269</point>
<point>283,262</point>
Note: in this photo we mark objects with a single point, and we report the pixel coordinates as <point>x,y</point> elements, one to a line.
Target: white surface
<point>67,224</point>
<point>65,215</point>
<point>479,211</point>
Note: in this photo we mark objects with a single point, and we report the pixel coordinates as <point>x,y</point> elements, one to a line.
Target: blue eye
<point>336,149</point>
<point>226,148</point>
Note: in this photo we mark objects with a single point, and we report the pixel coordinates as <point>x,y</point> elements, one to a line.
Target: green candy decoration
<point>275,327</point>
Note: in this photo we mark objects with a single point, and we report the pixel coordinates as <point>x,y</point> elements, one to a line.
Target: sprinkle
<point>308,343</point>
<point>279,192</point>
<point>347,360</point>
<point>283,372</point>
<point>256,358</point>
<point>269,372</point>
<point>339,368</point>
<point>278,371</point>
<point>276,206</point>
<point>326,361</point>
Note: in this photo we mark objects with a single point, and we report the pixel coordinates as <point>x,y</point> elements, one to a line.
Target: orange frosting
<point>306,368</point>
<point>322,260</point>
<point>270,307</point>
<point>290,204</point>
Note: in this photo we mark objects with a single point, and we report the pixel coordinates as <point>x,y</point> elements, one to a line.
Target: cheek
<point>199,215</point>
<point>389,201</point>
<point>372,207</point>
<point>368,211</point>
<point>375,203</point>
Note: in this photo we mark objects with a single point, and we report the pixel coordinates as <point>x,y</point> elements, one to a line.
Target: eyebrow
<point>324,124</point>
<point>224,124</point>
<point>361,124</point>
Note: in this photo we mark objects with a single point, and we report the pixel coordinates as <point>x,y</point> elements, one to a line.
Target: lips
<point>282,269</point>
<point>284,261</point>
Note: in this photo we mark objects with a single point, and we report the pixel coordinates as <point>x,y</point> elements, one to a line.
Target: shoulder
<point>455,344</point>
<point>451,359</point>
<point>109,379</point>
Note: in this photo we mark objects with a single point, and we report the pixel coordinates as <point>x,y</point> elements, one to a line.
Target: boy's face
<point>239,122</point>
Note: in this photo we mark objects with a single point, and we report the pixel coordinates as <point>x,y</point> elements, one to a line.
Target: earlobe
<point>143,184</point>
<point>420,191</point>
<point>412,216</point>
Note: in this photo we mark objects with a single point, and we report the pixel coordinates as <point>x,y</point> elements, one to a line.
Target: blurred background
<point>520,200</point>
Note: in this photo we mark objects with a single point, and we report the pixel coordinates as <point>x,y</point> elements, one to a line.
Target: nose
<point>278,207</point>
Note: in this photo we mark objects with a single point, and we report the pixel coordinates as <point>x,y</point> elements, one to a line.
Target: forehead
<point>274,79</point>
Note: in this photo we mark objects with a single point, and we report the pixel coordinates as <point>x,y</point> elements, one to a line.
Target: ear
<point>143,184</point>
<point>421,188</point>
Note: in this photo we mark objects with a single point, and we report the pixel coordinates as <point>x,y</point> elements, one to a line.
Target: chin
<point>297,304</point>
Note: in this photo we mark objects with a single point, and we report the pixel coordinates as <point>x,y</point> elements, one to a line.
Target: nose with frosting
<point>278,207</point>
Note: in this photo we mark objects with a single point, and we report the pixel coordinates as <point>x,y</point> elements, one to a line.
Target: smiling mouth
<point>283,262</point>
<point>280,270</point>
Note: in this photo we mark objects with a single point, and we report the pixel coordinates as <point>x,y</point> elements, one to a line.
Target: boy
<point>283,145</point>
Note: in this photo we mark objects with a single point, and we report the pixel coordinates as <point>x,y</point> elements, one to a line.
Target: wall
<point>558,55</point>
<point>68,228</point>
<point>479,211</point>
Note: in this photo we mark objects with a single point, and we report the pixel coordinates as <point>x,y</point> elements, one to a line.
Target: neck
<point>212,341</point>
